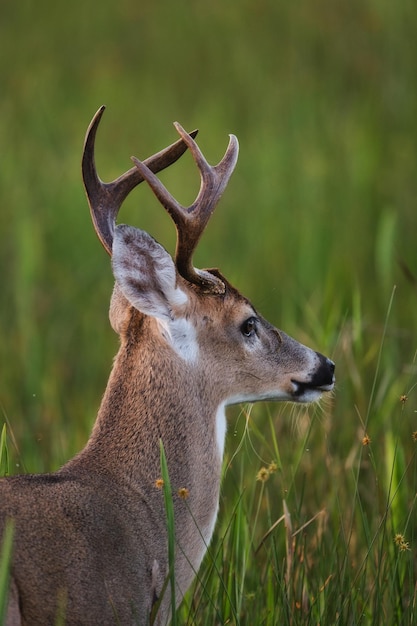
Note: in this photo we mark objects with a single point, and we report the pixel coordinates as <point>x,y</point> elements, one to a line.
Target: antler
<point>191,221</point>
<point>105,199</point>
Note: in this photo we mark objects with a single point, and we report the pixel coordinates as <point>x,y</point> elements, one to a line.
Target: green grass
<point>169,509</point>
<point>317,227</point>
<point>6,549</point>
<point>277,558</point>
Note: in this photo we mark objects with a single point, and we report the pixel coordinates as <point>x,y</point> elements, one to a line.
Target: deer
<point>90,540</point>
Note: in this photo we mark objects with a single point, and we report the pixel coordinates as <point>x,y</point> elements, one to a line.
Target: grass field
<point>317,228</point>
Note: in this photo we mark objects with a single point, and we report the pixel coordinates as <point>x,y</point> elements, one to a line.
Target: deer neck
<point>152,396</point>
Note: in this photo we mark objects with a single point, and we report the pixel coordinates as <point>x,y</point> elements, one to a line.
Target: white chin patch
<point>181,335</point>
<point>276,395</point>
<point>221,425</point>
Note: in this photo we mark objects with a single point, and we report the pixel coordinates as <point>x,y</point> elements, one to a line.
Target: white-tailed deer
<point>90,540</point>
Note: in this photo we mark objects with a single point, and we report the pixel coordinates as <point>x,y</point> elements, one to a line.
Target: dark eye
<point>248,327</point>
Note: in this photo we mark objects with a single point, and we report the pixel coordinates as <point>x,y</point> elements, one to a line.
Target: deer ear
<point>145,273</point>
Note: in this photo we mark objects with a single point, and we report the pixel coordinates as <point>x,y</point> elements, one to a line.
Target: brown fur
<point>87,537</point>
<point>90,542</point>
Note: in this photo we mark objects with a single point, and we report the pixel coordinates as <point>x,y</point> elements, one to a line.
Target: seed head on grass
<point>366,440</point>
<point>414,435</point>
<point>183,493</point>
<point>272,467</point>
<point>262,475</point>
<point>400,541</point>
<point>403,399</point>
<point>265,472</point>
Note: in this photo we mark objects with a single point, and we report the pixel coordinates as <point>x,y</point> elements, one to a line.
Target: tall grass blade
<point>169,510</point>
<point>4,453</point>
<point>5,558</point>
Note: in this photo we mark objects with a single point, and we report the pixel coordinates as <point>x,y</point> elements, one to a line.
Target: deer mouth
<point>322,381</point>
<point>302,389</point>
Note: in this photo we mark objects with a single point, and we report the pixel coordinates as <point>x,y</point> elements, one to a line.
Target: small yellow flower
<point>403,399</point>
<point>159,483</point>
<point>272,467</point>
<point>183,493</point>
<point>262,475</point>
<point>402,544</point>
<point>366,440</point>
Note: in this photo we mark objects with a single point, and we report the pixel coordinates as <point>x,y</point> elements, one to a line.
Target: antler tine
<point>191,221</point>
<point>105,199</point>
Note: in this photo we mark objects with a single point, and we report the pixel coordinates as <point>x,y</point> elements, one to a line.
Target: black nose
<point>324,375</point>
<point>331,366</point>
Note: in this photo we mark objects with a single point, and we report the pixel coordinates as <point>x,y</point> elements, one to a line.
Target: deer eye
<point>248,328</point>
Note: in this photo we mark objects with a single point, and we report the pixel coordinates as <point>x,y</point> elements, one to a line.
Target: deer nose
<point>322,379</point>
<point>331,366</point>
<point>326,371</point>
<point>324,375</point>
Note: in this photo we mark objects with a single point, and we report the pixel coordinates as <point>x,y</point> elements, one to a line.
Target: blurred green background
<point>323,98</point>
<point>317,226</point>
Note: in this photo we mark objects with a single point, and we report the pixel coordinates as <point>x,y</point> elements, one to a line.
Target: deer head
<point>152,283</point>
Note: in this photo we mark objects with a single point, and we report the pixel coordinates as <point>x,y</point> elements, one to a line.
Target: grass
<point>169,509</point>
<point>275,562</point>
<point>5,559</point>
<point>317,227</point>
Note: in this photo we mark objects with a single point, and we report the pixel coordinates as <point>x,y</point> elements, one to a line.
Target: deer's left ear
<point>145,273</point>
